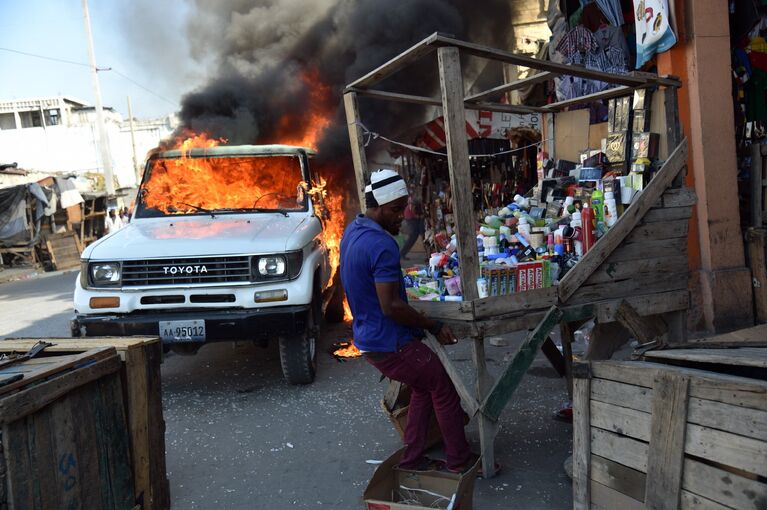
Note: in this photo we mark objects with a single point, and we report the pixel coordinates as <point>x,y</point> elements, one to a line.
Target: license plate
<point>182,331</point>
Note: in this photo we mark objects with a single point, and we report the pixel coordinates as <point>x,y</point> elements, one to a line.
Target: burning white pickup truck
<point>224,244</point>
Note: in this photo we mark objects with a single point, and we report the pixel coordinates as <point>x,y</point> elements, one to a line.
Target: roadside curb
<point>14,275</point>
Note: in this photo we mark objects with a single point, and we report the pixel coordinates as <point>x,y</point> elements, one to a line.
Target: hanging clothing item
<point>69,194</point>
<point>653,30</point>
<point>577,40</point>
<point>612,11</point>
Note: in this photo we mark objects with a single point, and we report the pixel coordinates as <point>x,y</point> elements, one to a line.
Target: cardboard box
<point>385,490</point>
<point>616,147</point>
<point>641,121</point>
<point>644,145</point>
<point>398,417</point>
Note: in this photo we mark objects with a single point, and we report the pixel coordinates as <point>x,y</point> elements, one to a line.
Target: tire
<point>298,353</point>
<point>334,312</point>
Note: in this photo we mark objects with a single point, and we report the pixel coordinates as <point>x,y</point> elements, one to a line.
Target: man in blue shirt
<point>388,331</point>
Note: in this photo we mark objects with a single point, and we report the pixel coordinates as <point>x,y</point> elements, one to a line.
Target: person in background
<point>412,226</point>
<point>112,222</point>
<point>124,216</point>
<point>388,331</point>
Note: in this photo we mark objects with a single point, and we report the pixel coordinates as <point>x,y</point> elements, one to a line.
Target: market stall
<point>639,259</point>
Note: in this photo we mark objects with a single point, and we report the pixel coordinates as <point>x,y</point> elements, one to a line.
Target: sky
<point>144,42</point>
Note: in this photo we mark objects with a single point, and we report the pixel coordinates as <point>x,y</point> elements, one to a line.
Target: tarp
<point>479,124</point>
<point>13,218</point>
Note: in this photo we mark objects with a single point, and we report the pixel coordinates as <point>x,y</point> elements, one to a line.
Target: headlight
<point>104,273</point>
<point>286,266</point>
<point>272,266</point>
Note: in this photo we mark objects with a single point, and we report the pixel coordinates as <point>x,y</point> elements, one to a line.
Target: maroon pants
<point>431,388</point>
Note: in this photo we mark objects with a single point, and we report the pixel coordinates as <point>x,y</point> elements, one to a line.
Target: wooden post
<point>487,427</point>
<point>357,140</point>
<point>756,246</point>
<point>451,83</point>
<point>757,186</point>
<point>674,133</point>
<point>665,457</point>
<point>581,437</point>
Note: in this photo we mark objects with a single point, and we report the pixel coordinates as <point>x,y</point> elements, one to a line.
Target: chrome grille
<point>186,271</point>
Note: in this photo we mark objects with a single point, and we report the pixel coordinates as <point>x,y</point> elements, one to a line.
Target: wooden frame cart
<point>641,260</point>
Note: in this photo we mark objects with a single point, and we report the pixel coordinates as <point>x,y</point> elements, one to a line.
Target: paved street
<point>238,437</point>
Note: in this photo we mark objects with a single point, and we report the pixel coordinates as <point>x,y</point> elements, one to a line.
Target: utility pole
<point>133,143</point>
<point>106,157</point>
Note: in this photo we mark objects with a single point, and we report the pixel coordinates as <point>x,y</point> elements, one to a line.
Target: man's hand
<point>445,336</point>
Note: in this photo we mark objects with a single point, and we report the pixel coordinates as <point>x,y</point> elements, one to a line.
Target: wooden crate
<point>656,436</point>
<point>140,375</point>
<point>64,250</point>
<point>64,434</point>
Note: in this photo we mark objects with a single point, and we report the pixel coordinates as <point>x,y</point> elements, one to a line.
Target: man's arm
<point>395,308</point>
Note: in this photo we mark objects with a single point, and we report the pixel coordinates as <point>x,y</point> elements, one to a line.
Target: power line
<point>45,58</point>
<point>54,59</point>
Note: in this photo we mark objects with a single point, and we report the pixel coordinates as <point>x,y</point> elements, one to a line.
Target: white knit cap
<point>386,186</point>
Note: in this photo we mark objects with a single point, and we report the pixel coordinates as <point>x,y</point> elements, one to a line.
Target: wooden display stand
<point>642,259</point>
<point>139,368</point>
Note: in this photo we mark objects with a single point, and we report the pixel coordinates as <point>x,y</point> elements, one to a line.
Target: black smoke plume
<point>263,46</point>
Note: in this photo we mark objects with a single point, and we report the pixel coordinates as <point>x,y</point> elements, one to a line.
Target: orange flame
<point>347,350</point>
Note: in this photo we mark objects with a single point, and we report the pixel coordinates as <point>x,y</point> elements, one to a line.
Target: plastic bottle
<point>598,205</point>
<point>589,228</point>
<point>577,226</point>
<point>611,207</point>
<point>523,227</point>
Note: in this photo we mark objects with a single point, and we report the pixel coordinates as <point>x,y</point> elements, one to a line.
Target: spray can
<point>577,226</point>
<point>589,228</point>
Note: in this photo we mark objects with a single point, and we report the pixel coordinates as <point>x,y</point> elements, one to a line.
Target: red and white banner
<point>479,124</point>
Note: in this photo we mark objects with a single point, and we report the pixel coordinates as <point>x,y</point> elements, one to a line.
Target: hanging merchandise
<point>653,29</point>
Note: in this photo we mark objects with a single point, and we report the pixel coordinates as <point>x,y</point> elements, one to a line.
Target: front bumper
<point>220,325</point>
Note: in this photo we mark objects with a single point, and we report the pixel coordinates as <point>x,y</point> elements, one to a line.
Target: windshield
<point>221,185</point>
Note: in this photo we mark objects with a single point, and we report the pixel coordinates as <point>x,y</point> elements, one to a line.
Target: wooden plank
<point>623,479</point>
<point>18,464</point>
<point>747,357</point>
<point>432,101</point>
<point>611,271</point>
<point>451,85</point>
<point>673,126</point>
<point>519,301</point>
<point>621,91</point>
<point>357,142</point>
<point>488,429</point>
<point>642,283</point>
<point>555,357</point>
<point>649,304</point>
<point>619,448</point>
<point>582,441</point>
<point>507,87</point>
<point>665,214</point>
<point>511,377</point>
<point>645,329</point>
<point>409,56</point>
<point>160,497</point>
<point>91,483</point>
<point>545,65</point>
<point>755,239</point>
<point>626,223</point>
<point>66,344</point>
<point>659,231</point>
<point>728,389</point>
<point>757,188</point>
<point>50,369</point>
<point>621,420</point>
<point>690,501</point>
<point>738,420</point>
<point>724,487</point>
<point>43,477</point>
<point>470,404</point>
<point>678,197</point>
<point>136,386</point>
<point>27,401</point>
<point>729,449</point>
<point>445,309</point>
<point>666,455</point>
<point>607,498</point>
<point>66,454</point>
<point>754,336</point>
<point>640,251</point>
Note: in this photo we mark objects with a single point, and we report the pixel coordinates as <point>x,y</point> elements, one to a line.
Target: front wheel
<point>298,353</point>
